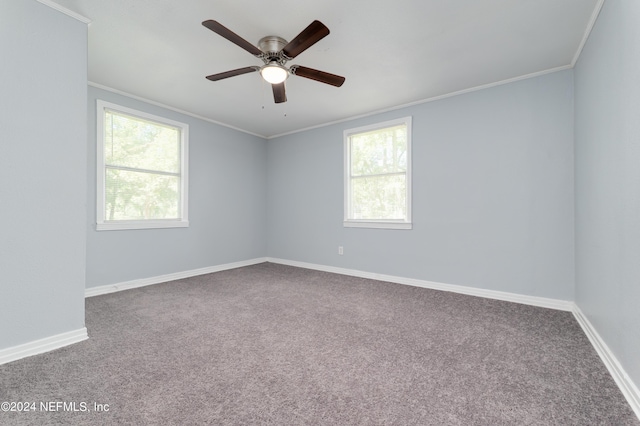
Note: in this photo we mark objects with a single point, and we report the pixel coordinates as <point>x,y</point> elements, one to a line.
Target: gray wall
<point>607,150</point>
<point>227,201</point>
<point>492,193</point>
<point>43,92</point>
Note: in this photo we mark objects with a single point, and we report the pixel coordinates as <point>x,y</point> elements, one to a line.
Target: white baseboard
<point>624,382</point>
<point>561,305</point>
<point>42,345</point>
<point>127,285</point>
<point>622,379</point>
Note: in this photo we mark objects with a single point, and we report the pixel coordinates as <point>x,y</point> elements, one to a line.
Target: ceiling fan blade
<point>321,76</point>
<point>234,38</point>
<point>279,94</point>
<point>307,38</point>
<point>232,73</point>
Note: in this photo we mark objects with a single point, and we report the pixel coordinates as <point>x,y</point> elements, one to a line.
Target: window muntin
<point>142,170</point>
<point>377,175</point>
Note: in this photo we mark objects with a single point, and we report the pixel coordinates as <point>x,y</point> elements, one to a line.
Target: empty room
<point>339,213</point>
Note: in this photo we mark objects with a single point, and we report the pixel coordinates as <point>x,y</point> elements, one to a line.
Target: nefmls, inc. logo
<point>66,406</point>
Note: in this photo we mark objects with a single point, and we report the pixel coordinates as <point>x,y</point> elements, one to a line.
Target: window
<point>141,170</point>
<point>378,175</point>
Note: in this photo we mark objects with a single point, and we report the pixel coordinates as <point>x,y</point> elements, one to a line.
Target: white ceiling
<point>392,53</point>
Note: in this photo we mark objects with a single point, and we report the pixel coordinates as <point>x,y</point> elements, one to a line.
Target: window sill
<point>146,224</point>
<point>377,225</point>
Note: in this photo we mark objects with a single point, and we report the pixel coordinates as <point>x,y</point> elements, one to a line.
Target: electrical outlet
<point>340,250</point>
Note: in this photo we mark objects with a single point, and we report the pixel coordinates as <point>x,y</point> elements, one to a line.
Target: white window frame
<point>375,223</point>
<point>105,225</point>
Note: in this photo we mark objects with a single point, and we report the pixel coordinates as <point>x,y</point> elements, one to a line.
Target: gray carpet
<point>272,344</point>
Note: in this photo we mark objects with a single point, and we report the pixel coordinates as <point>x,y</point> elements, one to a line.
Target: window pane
<point>137,143</point>
<point>380,197</point>
<point>379,151</point>
<point>139,196</point>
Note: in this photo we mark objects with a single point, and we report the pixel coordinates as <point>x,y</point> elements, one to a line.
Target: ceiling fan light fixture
<point>275,52</point>
<point>274,73</point>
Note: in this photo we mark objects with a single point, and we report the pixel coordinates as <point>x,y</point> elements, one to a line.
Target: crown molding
<point>587,32</point>
<point>169,107</point>
<point>432,99</point>
<point>66,11</point>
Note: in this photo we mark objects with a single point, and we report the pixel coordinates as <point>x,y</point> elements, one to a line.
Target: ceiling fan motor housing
<point>272,47</point>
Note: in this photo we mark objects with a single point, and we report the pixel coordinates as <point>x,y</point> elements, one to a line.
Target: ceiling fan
<point>275,52</point>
